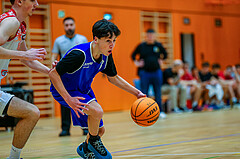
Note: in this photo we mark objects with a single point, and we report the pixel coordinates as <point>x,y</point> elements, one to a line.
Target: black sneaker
<point>96,146</point>
<point>196,108</point>
<point>83,152</point>
<point>64,133</point>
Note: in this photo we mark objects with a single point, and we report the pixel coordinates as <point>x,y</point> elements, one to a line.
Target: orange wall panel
<point>210,42</point>
<point>228,41</point>
<point>196,6</point>
<point>217,44</point>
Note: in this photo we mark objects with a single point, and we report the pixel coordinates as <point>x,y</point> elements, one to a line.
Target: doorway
<point>188,52</point>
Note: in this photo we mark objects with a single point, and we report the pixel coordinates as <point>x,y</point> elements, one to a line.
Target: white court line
<point>183,154</point>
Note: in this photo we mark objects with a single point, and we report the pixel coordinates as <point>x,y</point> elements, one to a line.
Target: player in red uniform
<point>13,46</point>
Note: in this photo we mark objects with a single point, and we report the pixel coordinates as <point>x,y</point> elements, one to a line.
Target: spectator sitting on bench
<point>193,87</point>
<point>171,86</point>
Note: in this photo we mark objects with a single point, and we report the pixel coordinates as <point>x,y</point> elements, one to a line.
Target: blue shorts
<point>83,120</point>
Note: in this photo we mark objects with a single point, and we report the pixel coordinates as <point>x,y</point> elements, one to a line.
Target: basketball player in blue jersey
<point>71,85</point>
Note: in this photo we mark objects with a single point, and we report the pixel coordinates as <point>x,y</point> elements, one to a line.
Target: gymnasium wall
<point>214,44</point>
<point>211,43</point>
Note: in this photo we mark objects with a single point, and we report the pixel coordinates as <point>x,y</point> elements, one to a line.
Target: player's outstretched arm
<point>124,85</point>
<point>32,54</point>
<point>73,102</point>
<point>36,65</point>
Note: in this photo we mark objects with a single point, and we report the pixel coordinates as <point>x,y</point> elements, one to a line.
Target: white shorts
<point>4,100</point>
<point>215,90</point>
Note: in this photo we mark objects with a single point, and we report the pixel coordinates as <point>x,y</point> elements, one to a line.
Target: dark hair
<point>216,65</point>
<point>68,18</point>
<point>12,1</point>
<point>205,64</point>
<point>237,65</point>
<point>104,28</point>
<point>193,68</point>
<point>150,31</point>
<point>185,63</point>
<point>228,67</point>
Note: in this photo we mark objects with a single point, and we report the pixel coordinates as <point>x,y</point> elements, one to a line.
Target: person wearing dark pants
<point>154,78</point>
<point>61,45</point>
<point>151,55</point>
<point>66,121</point>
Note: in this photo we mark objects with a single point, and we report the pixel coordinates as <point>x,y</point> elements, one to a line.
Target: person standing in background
<point>61,45</point>
<point>149,66</point>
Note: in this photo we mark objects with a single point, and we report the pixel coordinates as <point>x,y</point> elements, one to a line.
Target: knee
<point>97,113</point>
<point>199,88</point>
<point>34,113</point>
<point>174,89</point>
<point>183,88</point>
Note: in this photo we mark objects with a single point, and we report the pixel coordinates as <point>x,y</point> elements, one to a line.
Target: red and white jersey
<point>11,44</point>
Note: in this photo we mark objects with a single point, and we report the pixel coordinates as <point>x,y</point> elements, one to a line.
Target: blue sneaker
<point>214,106</point>
<point>97,147</point>
<point>83,152</point>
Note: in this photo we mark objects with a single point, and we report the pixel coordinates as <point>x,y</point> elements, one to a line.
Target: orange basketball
<point>145,111</point>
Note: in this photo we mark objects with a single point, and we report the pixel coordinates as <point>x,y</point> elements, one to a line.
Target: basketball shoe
<point>96,146</point>
<point>84,152</point>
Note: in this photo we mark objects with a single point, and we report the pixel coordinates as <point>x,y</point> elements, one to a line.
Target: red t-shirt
<point>187,76</point>
<point>225,77</point>
<point>221,75</point>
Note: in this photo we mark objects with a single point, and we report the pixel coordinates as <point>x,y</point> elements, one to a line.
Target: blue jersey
<point>77,70</point>
<point>81,79</point>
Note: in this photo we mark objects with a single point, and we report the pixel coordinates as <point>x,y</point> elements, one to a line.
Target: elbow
<point>112,79</point>
<point>2,40</point>
<point>51,73</point>
<point>109,79</point>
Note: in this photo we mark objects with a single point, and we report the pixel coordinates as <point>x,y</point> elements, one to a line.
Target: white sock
<point>15,153</point>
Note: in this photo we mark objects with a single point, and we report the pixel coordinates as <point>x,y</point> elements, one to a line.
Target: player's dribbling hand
<point>76,105</point>
<point>141,95</point>
<point>35,54</point>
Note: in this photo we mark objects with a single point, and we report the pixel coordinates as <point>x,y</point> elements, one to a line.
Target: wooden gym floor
<point>204,135</point>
